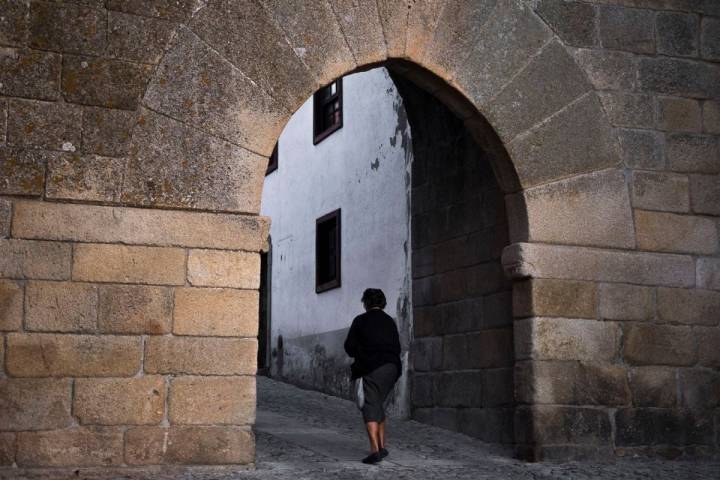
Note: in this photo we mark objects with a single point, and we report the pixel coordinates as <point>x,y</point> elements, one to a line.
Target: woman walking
<point>374,343</point>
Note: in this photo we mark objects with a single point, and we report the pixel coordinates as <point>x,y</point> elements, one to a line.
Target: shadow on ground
<point>304,435</point>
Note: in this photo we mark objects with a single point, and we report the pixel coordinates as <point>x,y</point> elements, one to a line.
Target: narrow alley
<point>308,435</point>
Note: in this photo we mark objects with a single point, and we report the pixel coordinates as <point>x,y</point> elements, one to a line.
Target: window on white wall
<point>327,252</point>
<point>327,111</point>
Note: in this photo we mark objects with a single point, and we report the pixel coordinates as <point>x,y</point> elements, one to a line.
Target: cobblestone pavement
<point>307,435</point>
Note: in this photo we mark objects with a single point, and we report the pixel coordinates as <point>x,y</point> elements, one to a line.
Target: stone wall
<point>462,351</point>
<point>127,335</point>
<point>640,374</point>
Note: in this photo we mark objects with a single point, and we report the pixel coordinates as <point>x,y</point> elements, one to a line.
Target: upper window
<point>273,162</point>
<point>327,252</point>
<point>327,116</point>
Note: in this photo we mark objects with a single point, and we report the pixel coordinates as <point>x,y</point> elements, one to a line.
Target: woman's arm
<point>351,342</point>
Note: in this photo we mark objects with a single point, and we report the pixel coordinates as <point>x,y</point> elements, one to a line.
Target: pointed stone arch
<point>230,77</point>
<point>235,72</point>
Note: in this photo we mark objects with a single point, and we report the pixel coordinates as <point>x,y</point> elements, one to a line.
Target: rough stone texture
<point>574,22</point>
<point>22,171</point>
<point>197,86</point>
<point>426,354</point>
<point>212,400</point>
<point>555,298</point>
<point>422,20</point>
<point>626,302</point>
<point>640,149</point>
<point>660,426</point>
<point>670,232</point>
<point>693,153</point>
<point>51,355</point>
<point>177,10</point>
<point>627,29</point>
<point>14,25</point>
<point>394,20</point>
<point>7,448</point>
<point>5,217</point>
<point>571,383</point>
<point>708,273</point>
<point>103,82</point>
<point>200,356</point>
<point>107,131</point>
<point>558,148</point>
<point>679,114</point>
<point>60,307</point>
<point>629,110</point>
<point>677,34</point>
<point>135,309</point>
<point>199,445</point>
<point>125,264</point>
<point>518,107</point>
<point>282,74</point>
<point>35,403</point>
<point>711,117</point>
<point>678,77</point>
<point>654,387</point>
<point>661,191</point>
<point>127,401</point>
<point>136,38</point>
<point>591,209</point>
<point>708,352</point>
<point>215,312</point>
<point>51,126</point>
<point>705,194</point>
<point>31,259</point>
<point>710,39</point>
<point>11,305</point>
<point>172,165</point>
<point>481,47</point>
<point>327,62</point>
<point>562,262</point>
<point>646,344</point>
<point>564,425</point>
<point>67,28</point>
<point>212,268</point>
<point>77,447</point>
<point>359,22</point>
<point>86,177</point>
<point>30,74</point>
<point>699,389</point>
<point>86,223</point>
<point>607,69</point>
<point>688,306</point>
<point>566,339</point>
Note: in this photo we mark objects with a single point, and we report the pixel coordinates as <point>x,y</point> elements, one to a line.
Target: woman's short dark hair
<point>374,298</point>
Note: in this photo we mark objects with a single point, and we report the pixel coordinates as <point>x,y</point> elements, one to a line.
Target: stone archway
<point>226,82</point>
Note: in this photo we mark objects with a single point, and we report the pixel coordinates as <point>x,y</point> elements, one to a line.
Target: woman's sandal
<point>372,459</point>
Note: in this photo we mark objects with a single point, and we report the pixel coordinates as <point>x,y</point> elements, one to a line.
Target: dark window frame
<point>334,282</point>
<point>272,161</point>
<point>320,131</point>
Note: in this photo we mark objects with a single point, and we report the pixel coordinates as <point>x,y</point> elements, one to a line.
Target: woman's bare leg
<point>373,436</point>
<point>381,434</point>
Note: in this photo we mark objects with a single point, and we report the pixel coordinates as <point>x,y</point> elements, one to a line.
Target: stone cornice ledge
<point>537,260</point>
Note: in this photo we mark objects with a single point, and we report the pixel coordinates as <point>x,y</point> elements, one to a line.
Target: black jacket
<point>372,341</point>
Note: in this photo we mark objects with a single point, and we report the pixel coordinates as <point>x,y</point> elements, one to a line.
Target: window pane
<point>327,253</point>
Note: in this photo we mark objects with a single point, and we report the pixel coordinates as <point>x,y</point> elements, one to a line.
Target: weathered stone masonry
<point>601,120</point>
